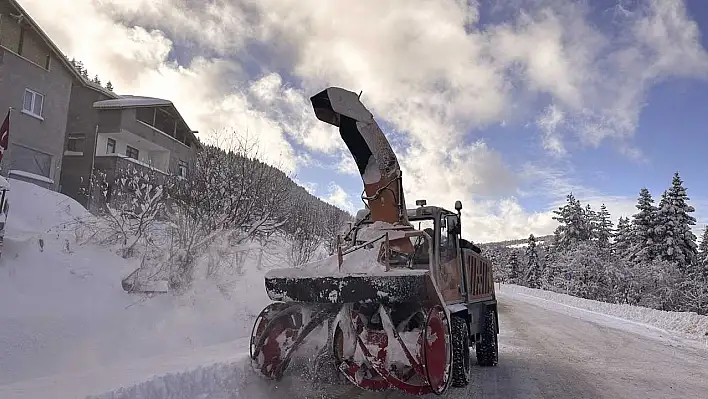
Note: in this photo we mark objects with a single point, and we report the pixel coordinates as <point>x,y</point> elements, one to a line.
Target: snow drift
<point>62,307</point>
<point>687,325</point>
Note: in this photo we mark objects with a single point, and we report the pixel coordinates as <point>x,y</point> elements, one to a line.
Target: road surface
<point>544,353</point>
<point>547,350</point>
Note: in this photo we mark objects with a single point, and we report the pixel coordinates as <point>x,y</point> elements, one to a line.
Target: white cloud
<point>310,187</point>
<point>346,164</point>
<point>426,68</point>
<point>549,122</point>
<point>339,198</point>
<point>503,220</point>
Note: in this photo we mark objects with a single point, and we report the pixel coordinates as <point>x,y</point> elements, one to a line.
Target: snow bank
<point>687,325</point>
<point>34,209</point>
<point>108,378</point>
<point>62,307</point>
<point>231,380</point>
<point>219,380</point>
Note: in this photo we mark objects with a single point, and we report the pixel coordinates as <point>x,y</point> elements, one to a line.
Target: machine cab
<point>441,225</point>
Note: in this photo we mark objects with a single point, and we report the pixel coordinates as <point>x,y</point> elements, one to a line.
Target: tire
<point>488,347</point>
<point>461,354</point>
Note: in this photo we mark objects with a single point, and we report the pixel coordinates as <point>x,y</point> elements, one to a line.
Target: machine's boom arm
<point>372,153</point>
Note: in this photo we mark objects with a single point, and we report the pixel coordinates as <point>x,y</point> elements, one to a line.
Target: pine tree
<point>661,227</point>
<point>533,269</point>
<point>109,86</point>
<point>604,227</point>
<point>513,268</point>
<point>591,223</point>
<point>675,241</point>
<point>97,80</point>
<point>695,286</point>
<point>550,271</point>
<point>703,248</point>
<point>79,67</point>
<point>623,238</point>
<point>643,224</point>
<point>572,227</point>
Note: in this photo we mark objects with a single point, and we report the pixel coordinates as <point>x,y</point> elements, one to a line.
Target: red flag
<point>4,134</point>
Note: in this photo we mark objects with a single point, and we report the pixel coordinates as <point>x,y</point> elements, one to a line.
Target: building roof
<point>132,102</point>
<point>99,88</point>
<point>136,101</point>
<point>58,53</point>
<point>62,58</point>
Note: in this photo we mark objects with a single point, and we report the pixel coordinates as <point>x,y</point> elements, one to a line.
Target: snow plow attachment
<point>389,325</point>
<point>380,296</point>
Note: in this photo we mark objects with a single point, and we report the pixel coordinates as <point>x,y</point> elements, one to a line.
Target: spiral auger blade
<point>415,356</point>
<point>279,330</point>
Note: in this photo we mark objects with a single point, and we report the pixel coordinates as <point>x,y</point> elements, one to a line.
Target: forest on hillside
<point>229,200</point>
<point>518,241</point>
<point>651,259</point>
<point>81,69</point>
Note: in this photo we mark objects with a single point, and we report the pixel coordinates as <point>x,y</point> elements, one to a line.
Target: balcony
<point>135,149</point>
<point>152,126</point>
<point>114,164</point>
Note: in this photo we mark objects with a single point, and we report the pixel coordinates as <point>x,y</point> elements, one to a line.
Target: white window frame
<point>31,111</point>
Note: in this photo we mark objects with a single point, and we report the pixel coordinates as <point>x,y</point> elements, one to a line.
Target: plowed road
<point>547,350</point>
<point>559,352</point>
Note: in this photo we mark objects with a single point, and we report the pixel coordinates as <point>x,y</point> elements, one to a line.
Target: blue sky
<point>671,134</point>
<point>506,106</point>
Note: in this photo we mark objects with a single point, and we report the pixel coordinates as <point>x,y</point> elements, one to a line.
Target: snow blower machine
<point>404,298</point>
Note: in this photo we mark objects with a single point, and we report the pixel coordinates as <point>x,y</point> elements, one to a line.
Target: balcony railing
<point>113,163</point>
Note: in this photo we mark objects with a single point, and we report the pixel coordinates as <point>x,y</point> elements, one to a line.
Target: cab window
<point>447,242</point>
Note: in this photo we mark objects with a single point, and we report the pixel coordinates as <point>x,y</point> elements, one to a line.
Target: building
<point>109,133</point>
<point>80,139</point>
<point>36,80</point>
<point>63,126</point>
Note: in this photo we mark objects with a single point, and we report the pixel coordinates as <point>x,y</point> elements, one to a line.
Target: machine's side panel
<point>450,281</point>
<point>479,276</point>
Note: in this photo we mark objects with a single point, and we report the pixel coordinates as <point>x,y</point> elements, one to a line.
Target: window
<point>33,103</point>
<point>30,160</point>
<point>132,152</point>
<point>447,242</point>
<point>75,143</point>
<point>111,146</point>
<point>182,168</point>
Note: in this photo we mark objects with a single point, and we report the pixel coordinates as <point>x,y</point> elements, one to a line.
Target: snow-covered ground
<point>524,244</point>
<point>68,330</point>
<point>543,345</point>
<point>63,310</point>
<point>658,323</point>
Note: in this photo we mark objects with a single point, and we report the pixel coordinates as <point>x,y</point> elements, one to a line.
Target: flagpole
<point>5,199</point>
<point>2,161</point>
